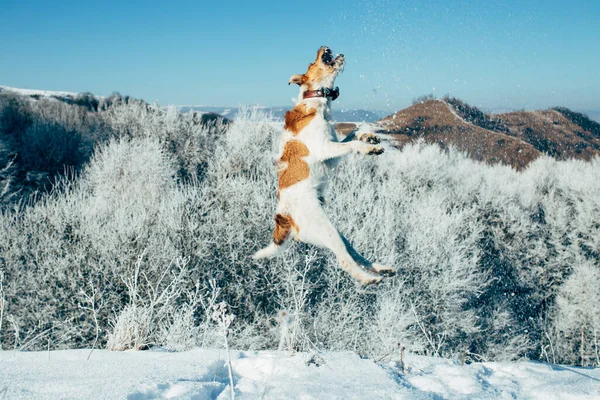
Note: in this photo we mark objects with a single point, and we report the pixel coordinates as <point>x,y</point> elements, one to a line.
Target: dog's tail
<point>285,228</point>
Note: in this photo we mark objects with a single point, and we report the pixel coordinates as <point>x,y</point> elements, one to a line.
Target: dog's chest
<point>302,153</point>
<point>316,137</point>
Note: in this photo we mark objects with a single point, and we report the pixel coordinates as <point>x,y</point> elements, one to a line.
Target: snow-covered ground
<point>203,374</point>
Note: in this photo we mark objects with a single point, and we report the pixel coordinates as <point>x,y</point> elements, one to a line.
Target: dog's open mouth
<point>328,59</point>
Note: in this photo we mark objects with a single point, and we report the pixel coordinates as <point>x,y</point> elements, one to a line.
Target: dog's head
<point>321,73</point>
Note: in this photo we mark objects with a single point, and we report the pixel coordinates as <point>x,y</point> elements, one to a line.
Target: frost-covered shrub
<point>397,210</point>
<point>7,175</point>
<point>131,330</point>
<point>393,323</point>
<point>87,100</point>
<point>48,138</point>
<point>154,303</point>
<point>44,140</point>
<point>576,334</point>
<point>186,136</point>
<point>125,204</point>
<point>540,236</point>
<point>183,332</point>
<point>486,255</point>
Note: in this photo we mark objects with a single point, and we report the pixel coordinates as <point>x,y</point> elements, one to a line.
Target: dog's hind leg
<point>371,266</point>
<point>285,229</point>
<point>315,228</point>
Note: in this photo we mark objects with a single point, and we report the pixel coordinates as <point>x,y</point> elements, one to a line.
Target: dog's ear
<point>297,79</point>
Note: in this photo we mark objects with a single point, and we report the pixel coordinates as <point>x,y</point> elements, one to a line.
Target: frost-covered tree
<point>576,320</point>
<point>493,264</point>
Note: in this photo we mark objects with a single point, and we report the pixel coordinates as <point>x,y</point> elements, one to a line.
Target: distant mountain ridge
<point>513,138</point>
<point>344,115</point>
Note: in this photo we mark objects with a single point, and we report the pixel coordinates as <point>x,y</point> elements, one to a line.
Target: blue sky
<point>513,54</point>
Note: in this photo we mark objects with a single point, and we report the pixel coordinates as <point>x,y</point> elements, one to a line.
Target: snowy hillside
<point>339,115</point>
<point>152,236</point>
<point>35,92</point>
<point>202,374</point>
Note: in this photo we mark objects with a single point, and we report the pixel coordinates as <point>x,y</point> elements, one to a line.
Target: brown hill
<point>513,139</point>
<point>552,133</point>
<point>436,122</point>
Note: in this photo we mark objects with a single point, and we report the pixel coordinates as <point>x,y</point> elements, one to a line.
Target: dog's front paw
<point>370,138</point>
<point>375,150</point>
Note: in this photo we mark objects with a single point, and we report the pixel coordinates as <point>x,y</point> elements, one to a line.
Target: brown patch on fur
<point>296,169</point>
<point>298,117</point>
<point>283,227</point>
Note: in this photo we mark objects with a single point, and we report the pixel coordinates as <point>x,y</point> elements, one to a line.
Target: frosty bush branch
<point>495,263</point>
<point>224,320</point>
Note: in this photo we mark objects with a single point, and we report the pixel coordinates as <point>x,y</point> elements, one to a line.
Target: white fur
<point>302,201</point>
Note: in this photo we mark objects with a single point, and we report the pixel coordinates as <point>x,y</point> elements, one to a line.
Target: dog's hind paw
<point>370,138</point>
<point>383,269</point>
<point>370,279</point>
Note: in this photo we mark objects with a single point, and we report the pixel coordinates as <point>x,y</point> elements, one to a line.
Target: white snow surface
<point>202,374</point>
